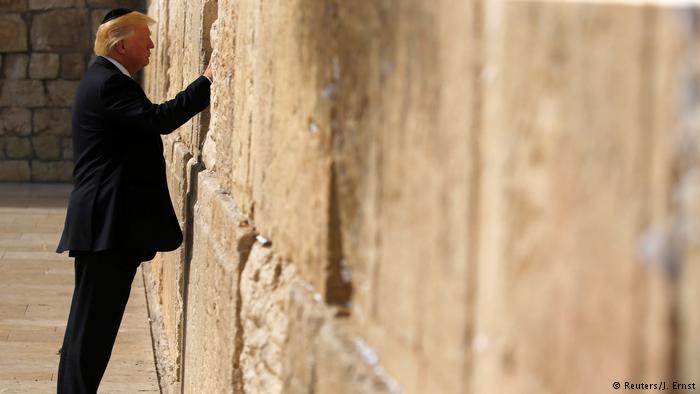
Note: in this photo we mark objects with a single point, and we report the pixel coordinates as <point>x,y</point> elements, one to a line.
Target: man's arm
<point>126,105</point>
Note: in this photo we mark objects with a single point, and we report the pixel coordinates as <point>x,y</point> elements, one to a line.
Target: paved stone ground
<point>36,285</point>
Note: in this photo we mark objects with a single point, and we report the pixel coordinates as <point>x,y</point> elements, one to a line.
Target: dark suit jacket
<point>120,197</point>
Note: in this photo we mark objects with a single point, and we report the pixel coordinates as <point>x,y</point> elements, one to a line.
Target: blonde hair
<point>111,32</point>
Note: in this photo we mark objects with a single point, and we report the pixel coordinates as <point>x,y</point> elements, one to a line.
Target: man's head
<point>124,35</point>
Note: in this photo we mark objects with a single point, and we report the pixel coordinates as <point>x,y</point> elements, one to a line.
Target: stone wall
<point>45,46</point>
<point>454,196</point>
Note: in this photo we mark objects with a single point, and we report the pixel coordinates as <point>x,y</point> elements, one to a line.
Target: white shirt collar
<point>119,66</point>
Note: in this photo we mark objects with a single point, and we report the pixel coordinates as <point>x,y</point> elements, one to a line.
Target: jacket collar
<point>119,66</point>
<point>103,61</point>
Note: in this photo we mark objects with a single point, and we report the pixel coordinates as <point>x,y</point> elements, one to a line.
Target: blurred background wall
<point>45,46</point>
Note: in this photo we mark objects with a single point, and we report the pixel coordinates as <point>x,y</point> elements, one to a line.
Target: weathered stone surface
<point>172,270</point>
<point>54,121</point>
<point>13,5</point>
<point>72,65</point>
<point>217,259</point>
<point>264,320</point>
<point>43,66</point>
<point>458,201</point>
<point>243,102</point>
<point>50,4</point>
<point>15,66</point>
<point>14,171</point>
<point>567,156</point>
<point>322,354</point>
<point>299,125</point>
<point>161,61</point>
<point>15,121</point>
<point>347,364</point>
<point>61,93</point>
<point>288,342</point>
<point>387,165</point>
<point>48,30</point>
<point>17,147</point>
<point>13,33</point>
<point>51,171</point>
<point>23,93</point>
<point>46,147</point>
<point>169,298</point>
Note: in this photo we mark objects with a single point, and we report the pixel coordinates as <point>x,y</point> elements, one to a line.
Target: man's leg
<point>102,287</point>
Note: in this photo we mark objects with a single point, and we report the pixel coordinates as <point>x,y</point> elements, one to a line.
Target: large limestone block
<point>15,121</point>
<point>166,364</point>
<point>199,17</point>
<point>220,136</point>
<point>168,276</point>
<point>172,274</point>
<point>176,22</point>
<point>401,86</point>
<point>43,66</point>
<point>18,147</point>
<point>173,22</point>
<point>22,93</point>
<point>156,78</point>
<point>46,147</point>
<point>264,320</point>
<point>170,283</point>
<point>61,93</point>
<point>72,65</point>
<point>209,16</point>
<point>13,33</point>
<point>54,121</point>
<point>569,299</point>
<point>271,130</point>
<point>211,330</point>
<point>221,243</point>
<point>48,30</point>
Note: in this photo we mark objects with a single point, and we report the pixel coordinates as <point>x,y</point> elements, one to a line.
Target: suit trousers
<point>102,287</point>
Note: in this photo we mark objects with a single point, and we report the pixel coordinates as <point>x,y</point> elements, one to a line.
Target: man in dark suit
<point>119,212</point>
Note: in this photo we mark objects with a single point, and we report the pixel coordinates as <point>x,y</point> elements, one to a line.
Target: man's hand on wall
<point>208,72</point>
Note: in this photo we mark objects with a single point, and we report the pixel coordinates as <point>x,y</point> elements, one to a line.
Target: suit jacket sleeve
<point>128,106</point>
